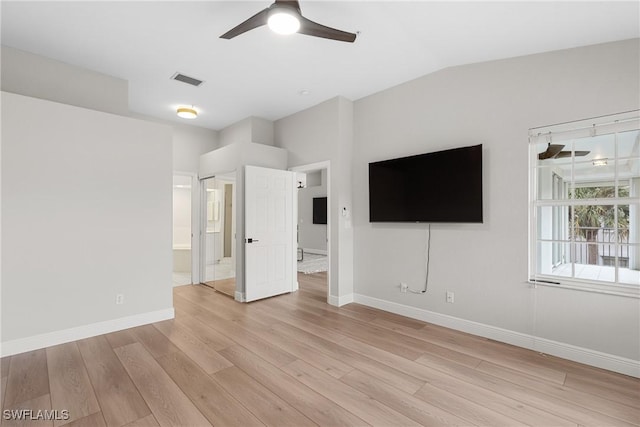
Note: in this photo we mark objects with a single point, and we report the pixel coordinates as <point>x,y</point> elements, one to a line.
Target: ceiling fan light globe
<point>283,22</point>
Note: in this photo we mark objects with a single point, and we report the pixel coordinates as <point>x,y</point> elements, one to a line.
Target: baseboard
<point>566,351</point>
<point>81,332</point>
<point>239,296</point>
<point>340,301</point>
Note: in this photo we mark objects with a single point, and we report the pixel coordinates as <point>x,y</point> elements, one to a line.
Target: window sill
<point>628,291</point>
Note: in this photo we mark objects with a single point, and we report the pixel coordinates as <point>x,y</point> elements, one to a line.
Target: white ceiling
<point>262,74</point>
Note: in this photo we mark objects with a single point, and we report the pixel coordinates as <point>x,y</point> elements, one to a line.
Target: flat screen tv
<point>319,210</point>
<point>443,186</point>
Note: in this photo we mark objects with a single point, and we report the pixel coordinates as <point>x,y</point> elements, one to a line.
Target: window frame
<point>562,234</point>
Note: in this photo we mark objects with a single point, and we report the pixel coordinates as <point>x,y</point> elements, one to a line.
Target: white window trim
<point>563,132</point>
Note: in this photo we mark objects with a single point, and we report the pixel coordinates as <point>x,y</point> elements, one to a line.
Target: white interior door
<point>269,232</point>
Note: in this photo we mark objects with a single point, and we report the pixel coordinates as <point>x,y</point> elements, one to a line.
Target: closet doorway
<point>218,254</point>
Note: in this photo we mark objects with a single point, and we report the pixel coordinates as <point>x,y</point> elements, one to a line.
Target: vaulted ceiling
<point>263,74</point>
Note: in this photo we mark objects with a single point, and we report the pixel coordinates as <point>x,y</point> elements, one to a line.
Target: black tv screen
<point>443,186</point>
<point>319,210</point>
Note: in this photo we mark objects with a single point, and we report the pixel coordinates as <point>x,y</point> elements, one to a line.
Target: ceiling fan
<point>285,17</point>
<point>554,151</point>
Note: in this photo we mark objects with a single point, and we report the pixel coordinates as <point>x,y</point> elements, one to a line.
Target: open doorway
<point>182,230</point>
<point>313,227</point>
<point>218,242</point>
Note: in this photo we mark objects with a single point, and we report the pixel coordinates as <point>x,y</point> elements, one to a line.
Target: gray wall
<point>251,129</point>
<point>492,103</point>
<point>33,75</point>
<point>86,215</point>
<point>128,166</point>
<point>325,133</point>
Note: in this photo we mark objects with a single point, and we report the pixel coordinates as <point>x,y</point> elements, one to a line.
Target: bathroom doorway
<point>219,225</point>
<point>182,232</point>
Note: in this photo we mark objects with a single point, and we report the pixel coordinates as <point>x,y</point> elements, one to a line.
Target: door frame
<point>312,167</point>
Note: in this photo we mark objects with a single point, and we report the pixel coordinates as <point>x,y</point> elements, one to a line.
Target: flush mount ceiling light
<point>187,113</point>
<point>600,162</point>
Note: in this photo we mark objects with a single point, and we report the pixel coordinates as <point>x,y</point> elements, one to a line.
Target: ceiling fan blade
<point>314,29</point>
<point>551,152</point>
<point>257,20</point>
<point>581,153</point>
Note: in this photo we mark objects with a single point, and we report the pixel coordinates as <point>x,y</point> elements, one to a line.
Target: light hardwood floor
<point>293,360</point>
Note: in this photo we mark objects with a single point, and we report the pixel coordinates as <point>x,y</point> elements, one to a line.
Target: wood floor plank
<point>119,399</point>
<point>212,400</point>
<point>295,360</point>
<point>539,398</point>
<point>28,378</point>
<point>480,348</point>
<point>501,403</point>
<point>153,340</point>
<point>4,366</point>
<point>395,318</point>
<point>169,405</point>
<point>470,411</point>
<point>69,382</point>
<point>354,401</point>
<point>315,406</point>
<point>204,333</point>
<point>598,376</point>
<point>301,350</point>
<point>586,400</point>
<point>387,374</point>
<point>4,377</point>
<point>120,338</point>
<point>206,357</point>
<point>148,421</point>
<point>405,403</point>
<point>264,404</point>
<point>3,387</point>
<point>244,337</point>
<point>370,334</point>
<point>93,420</point>
<point>29,410</point>
<point>287,316</point>
<point>609,390</point>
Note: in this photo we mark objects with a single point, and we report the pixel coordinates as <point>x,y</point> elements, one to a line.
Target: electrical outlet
<point>119,299</point>
<point>403,287</point>
<point>450,297</point>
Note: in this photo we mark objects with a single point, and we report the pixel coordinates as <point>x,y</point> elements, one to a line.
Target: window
<point>585,205</point>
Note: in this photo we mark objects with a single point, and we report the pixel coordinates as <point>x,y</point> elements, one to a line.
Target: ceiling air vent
<point>186,79</point>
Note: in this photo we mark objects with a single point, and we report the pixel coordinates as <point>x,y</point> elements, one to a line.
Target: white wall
<point>189,143</point>
<point>492,103</point>
<point>311,236</point>
<point>33,75</point>
<point>321,133</point>
<point>251,129</point>
<point>86,214</point>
